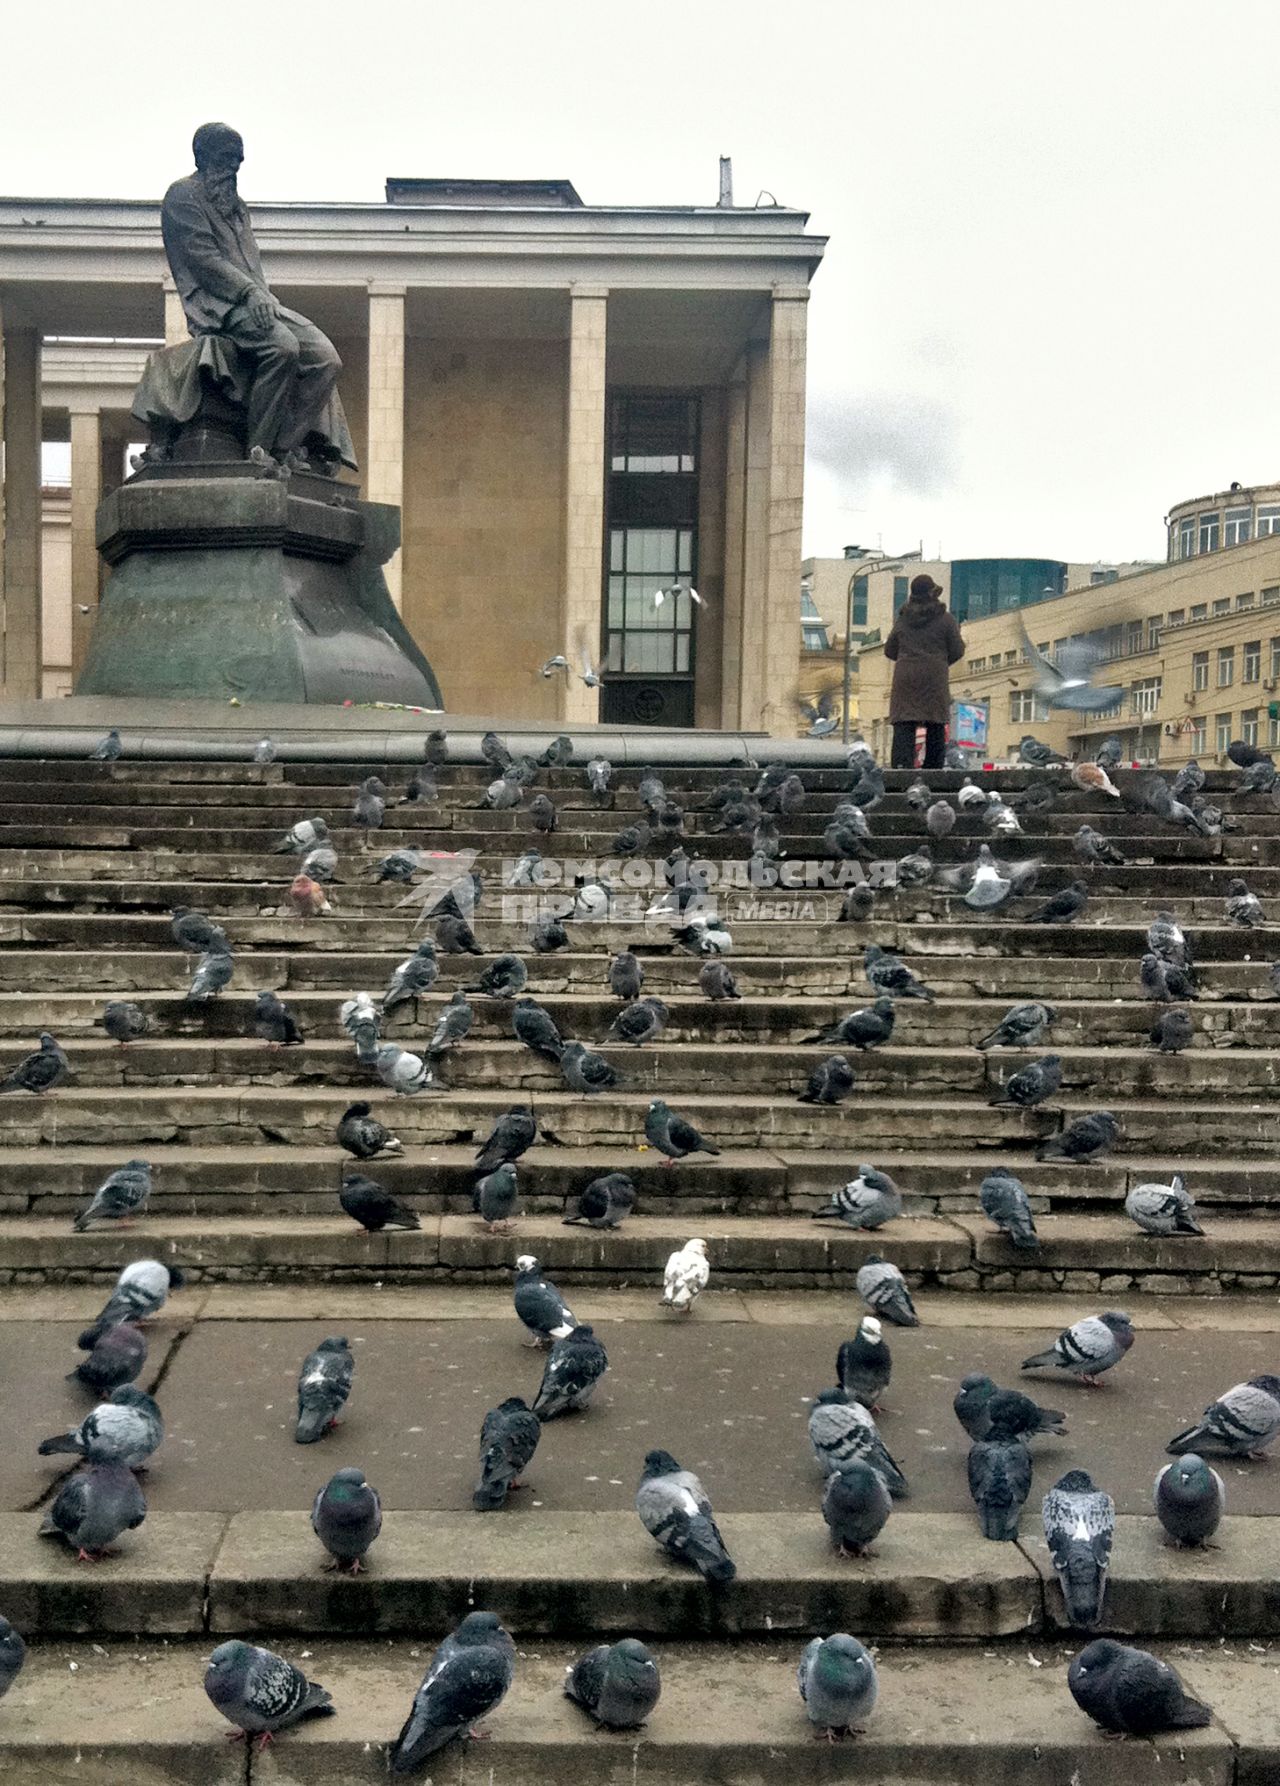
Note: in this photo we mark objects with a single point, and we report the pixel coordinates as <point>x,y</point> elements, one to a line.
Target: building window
<point>1210,528</point>
<point>1245,600</point>
<point>859,601</point>
<point>977,665</point>
<point>1275,657</point>
<point>653,434</point>
<point>1177,617</point>
<point>1235,530</point>
<point>1200,670</point>
<point>1273,731</point>
<point>1144,697</point>
<point>1133,637</point>
<point>1226,665</point>
<point>813,632</point>
<point>1011,657</point>
<point>1222,605</point>
<point>901,589</point>
<point>1200,611</point>
<point>1025,707</point>
<point>1268,519</point>
<point>1251,662</point>
<point>1249,725</point>
<point>644,637</point>
<point>1186,536</point>
<point>1155,626</point>
<point>1222,733</point>
<point>1043,648</point>
<point>1271,595</point>
<point>1197,736</point>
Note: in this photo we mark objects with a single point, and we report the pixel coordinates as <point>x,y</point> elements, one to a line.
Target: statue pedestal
<point>229,579</point>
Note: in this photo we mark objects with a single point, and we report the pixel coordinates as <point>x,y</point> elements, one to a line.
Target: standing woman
<point>923,645</point>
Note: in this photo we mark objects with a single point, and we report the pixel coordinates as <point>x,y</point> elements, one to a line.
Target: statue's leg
<point>275,352</point>
<point>317,374</point>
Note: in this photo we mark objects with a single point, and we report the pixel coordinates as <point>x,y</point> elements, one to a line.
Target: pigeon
<point>685,1277</point>
<point>1109,753</point>
<point>422,788</point>
<point>918,796</point>
<point>915,869</point>
<point>1131,1693</point>
<point>526,871</point>
<point>452,1026</point>
<point>605,1201</point>
<point>306,897</point>
<point>503,978</point>
<point>1154,793</point>
<point>320,864</point>
<point>119,1197</point>
<point>704,934</point>
<point>1092,778</point>
<point>716,981</point>
<point>274,1023</point>
<point>940,820</point>
<point>211,975</point>
<point>1190,1500</point>
<point>494,751</point>
<point>599,771</point>
<point>856,1505</point>
<point>262,1693</point>
<point>13,1653</point>
<point>1085,1138</point>
<point>1188,781</point>
<point>626,976</point>
<point>1165,980</point>
<point>1163,1208</point>
<point>115,1357</point>
<point>867,1201</point>
<point>400,866</point>
<point>508,1439</point>
<point>1258,778</point>
<point>454,936</point>
<point>1243,907</point>
<point>843,841</point>
<point>346,1517</point>
<point>547,934</point>
<point>324,1383</point>
<point>107,749</point>
<point>631,839</point>
<point>535,1027</point>
<point>468,1676</point>
<point>496,1197</point>
<point>1037,755</point>
<point>1038,796</point>
<point>830,1082</point>
<point>674,1508</point>
<point>542,813</point>
<point>558,753</point>
<point>512,1134</point>
<point>673,1137</point>
<point>1001,818</point>
<point>1032,1084</point>
<point>369,808</point>
<point>837,1684</point>
<point>618,1684</point>
<point>864,1364</point>
<point>969,795</point>
<point>124,1022</point>
<point>1063,907</point>
<point>367,1203</point>
<point>140,1291</point>
<point>1273,973</point>
<point>842,1431</point>
<point>93,1507</point>
<point>1241,1423</point>
<point>124,1429</point>
<point>402,1072</point>
<point>195,933</point>
<point>502,794</point>
<point>585,1071</point>
<point>363,1136</point>
<point>884,1290</point>
<point>864,1029</point>
<point>302,837</point>
<point>542,1310</point>
<point>640,1022</point>
<point>39,1072</point>
<point>1244,756</point>
<point>1172,1032</point>
<point>1022,1026</point>
<point>999,1482</point>
<point>1167,939</point>
<point>575,1364</point>
<point>890,976</point>
<point>591,900</point>
<point>953,758</point>
<point>980,1404</point>
<point>1088,1348</point>
<point>1094,849</point>
<point>1079,1525</point>
<point>1005,1200</point>
<point>989,887</point>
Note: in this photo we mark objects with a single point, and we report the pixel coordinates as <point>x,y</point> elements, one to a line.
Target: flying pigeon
<point>1004,1198</point>
<point>262,1693</point>
<point>512,1134</point>
<point>685,1276</point>
<point>674,1508</point>
<point>1088,1348</point>
<point>1022,1026</point>
<point>864,1364</point>
<point>1190,1500</point>
<point>890,976</point>
<point>503,978</point>
<point>673,1137</point>
<point>362,1135</point>
<point>575,1364</point>
<point>842,1431</point>
<point>496,1197</point>
<point>1032,1084</point>
<point>1128,1691</point>
<point>838,1685</point>
<point>274,1023</point>
<point>125,1429</point>
<point>119,1197</point>
<point>855,1505</point>
<point>140,1292</point>
<point>543,1312</point>
<point>346,1517</point>
<point>989,887</point>
<point>468,1676</point>
<point>1017,1414</point>
<point>366,1202</point>
<point>324,1383</point>
<point>605,1201</point>
<point>618,1684</point>
<point>1079,1526</point>
<point>39,1072</point>
<point>867,1201</point>
<point>1085,1138</point>
<point>93,1507</point>
<point>124,1022</point>
<point>999,1482</point>
<point>1241,1423</point>
<point>884,1290</point>
<point>508,1439</point>
<point>1163,1208</point>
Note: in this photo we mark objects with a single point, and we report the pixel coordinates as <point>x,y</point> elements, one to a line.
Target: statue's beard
<point>222,191</point>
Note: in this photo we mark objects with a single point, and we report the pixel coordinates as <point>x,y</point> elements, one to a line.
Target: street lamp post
<point>848,656</point>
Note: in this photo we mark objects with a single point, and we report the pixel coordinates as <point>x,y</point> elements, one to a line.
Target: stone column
<point>709,619</point>
<point>20,521</point>
<point>86,494</point>
<point>175,317</point>
<point>755,541</point>
<point>781,632</point>
<point>583,494</point>
<point>384,452</point>
<point>735,473</point>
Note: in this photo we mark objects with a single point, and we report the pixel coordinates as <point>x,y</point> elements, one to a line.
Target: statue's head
<point>218,150</point>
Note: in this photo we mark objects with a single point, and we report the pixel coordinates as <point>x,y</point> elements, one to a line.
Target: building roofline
<point>1244,493</point>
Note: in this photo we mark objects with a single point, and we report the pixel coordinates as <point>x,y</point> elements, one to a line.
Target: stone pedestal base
<point>226,581</point>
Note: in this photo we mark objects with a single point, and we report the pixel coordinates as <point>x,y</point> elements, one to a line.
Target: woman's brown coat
<point>923,645</point>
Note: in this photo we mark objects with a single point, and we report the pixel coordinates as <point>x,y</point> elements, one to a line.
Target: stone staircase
<point>241,1139</point>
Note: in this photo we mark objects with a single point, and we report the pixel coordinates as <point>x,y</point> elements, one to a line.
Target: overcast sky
<point>1048,306</point>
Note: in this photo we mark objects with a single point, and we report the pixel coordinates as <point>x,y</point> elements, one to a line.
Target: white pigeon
<point>660,595</point>
<point>355,1011</point>
<point>558,662</point>
<point>686,1276</point>
<point>970,794</point>
<point>591,901</point>
<point>402,1072</point>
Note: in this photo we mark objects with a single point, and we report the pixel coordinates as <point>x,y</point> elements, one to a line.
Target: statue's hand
<point>262,311</point>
